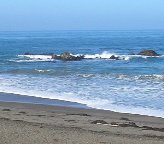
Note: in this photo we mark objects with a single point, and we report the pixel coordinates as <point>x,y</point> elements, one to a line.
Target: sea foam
<point>33,58</point>
<point>103,55</point>
<point>124,98</point>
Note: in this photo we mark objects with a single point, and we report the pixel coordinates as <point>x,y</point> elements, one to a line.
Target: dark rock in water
<point>67,57</point>
<point>148,53</point>
<point>114,57</point>
<point>57,57</point>
<point>99,122</point>
<point>27,53</point>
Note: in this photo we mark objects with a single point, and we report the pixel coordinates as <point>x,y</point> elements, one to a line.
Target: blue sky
<point>81,14</point>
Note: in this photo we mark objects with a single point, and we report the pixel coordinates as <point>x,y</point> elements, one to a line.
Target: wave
<point>156,77</point>
<point>34,58</point>
<point>97,103</point>
<point>86,75</point>
<point>151,77</point>
<point>103,55</point>
<point>98,92</point>
<point>42,71</point>
<point>107,55</point>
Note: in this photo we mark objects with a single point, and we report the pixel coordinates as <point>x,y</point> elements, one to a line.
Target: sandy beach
<point>82,72</point>
<point>41,124</point>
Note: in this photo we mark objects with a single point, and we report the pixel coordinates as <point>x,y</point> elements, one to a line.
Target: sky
<point>22,15</point>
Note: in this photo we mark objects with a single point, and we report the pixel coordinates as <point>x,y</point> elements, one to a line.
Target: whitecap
<point>37,56</point>
<point>42,71</point>
<point>86,75</point>
<point>34,58</point>
<point>104,55</point>
<point>156,77</point>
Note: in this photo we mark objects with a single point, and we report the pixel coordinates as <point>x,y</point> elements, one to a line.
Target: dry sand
<point>40,124</point>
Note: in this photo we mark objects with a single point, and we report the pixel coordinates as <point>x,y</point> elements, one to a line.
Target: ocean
<point>133,84</point>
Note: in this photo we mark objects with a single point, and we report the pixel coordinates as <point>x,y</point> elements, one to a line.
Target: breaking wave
<point>155,77</point>
<point>103,55</point>
<point>34,58</point>
<point>128,99</point>
<point>107,55</point>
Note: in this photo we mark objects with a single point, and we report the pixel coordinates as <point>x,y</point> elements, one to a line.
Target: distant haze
<point>81,14</point>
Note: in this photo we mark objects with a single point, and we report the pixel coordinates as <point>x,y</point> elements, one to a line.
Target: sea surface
<point>133,84</point>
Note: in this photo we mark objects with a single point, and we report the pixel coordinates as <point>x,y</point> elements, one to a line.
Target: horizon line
<point>80,30</point>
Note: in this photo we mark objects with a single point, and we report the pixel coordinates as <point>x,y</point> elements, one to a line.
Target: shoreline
<point>36,123</point>
<point>25,99</point>
<point>17,98</point>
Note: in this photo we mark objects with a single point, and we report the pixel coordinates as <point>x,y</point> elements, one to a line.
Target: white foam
<point>157,77</point>
<point>86,75</point>
<point>33,58</point>
<point>134,110</point>
<point>136,97</point>
<point>107,55</point>
<point>93,103</point>
<point>13,86</point>
<point>104,55</point>
<point>42,71</point>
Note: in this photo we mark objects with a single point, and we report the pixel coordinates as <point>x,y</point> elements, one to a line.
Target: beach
<point>81,72</point>
<point>22,123</point>
<point>79,87</point>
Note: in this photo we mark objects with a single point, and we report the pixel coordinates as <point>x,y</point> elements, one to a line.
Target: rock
<point>114,57</point>
<point>57,57</point>
<point>148,53</point>
<point>67,57</point>
<point>27,53</point>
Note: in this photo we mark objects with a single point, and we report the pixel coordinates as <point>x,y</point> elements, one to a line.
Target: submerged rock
<point>148,53</point>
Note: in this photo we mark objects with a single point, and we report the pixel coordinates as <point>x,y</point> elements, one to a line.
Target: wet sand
<point>41,124</point>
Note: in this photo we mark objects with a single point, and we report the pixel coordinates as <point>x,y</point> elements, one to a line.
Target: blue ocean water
<point>133,84</point>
